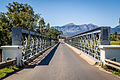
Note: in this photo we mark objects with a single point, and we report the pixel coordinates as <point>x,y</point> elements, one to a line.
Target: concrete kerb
<point>82,55</point>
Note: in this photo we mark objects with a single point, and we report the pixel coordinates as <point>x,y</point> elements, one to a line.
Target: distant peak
<point>117,26</point>
<point>90,24</point>
<point>69,24</point>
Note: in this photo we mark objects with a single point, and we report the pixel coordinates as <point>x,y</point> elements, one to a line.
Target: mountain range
<point>73,29</point>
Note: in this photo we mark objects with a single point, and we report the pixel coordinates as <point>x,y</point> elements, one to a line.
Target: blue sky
<point>61,12</point>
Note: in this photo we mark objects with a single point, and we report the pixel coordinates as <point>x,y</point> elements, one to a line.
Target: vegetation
<point>115,39</point>
<point>41,26</point>
<point>111,69</point>
<point>104,66</point>
<point>116,72</point>
<point>22,15</point>
<point>7,70</point>
<point>53,33</point>
<point>63,37</point>
<point>5,30</point>
<point>115,42</point>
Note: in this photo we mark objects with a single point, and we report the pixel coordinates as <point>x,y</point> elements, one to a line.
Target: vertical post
<point>17,36</point>
<point>17,40</point>
<point>105,35</point>
<point>105,40</point>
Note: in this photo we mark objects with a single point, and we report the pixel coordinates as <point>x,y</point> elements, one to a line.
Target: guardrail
<point>26,44</point>
<point>7,63</point>
<point>113,64</point>
<point>88,42</point>
<point>33,43</point>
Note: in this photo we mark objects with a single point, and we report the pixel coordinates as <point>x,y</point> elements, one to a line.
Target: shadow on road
<point>48,58</point>
<point>29,66</point>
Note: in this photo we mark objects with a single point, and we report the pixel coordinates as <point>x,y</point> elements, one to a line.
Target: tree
<point>41,25</point>
<point>22,15</point>
<point>48,26</point>
<point>114,36</point>
<point>5,30</point>
<point>18,15</point>
<point>53,33</point>
<point>115,33</point>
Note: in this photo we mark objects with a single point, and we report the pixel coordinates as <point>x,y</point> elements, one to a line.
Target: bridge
<point>60,61</point>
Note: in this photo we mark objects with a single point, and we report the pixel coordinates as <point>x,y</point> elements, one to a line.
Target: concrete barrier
<point>12,52</point>
<point>109,52</point>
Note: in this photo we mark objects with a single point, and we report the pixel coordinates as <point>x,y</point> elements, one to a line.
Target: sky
<point>61,12</point>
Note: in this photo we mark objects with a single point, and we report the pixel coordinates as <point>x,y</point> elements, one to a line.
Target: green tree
<point>22,15</point>
<point>41,25</point>
<point>114,36</point>
<point>5,30</point>
<point>18,15</point>
<point>48,26</point>
<point>53,33</point>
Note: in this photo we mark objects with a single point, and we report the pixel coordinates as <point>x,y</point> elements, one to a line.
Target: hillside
<point>73,29</point>
<point>116,29</point>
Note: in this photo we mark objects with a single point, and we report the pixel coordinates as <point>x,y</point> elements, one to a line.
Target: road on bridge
<point>62,64</point>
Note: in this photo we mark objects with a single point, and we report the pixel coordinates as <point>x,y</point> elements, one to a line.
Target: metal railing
<point>33,43</point>
<point>89,41</point>
<point>113,64</point>
<point>8,63</point>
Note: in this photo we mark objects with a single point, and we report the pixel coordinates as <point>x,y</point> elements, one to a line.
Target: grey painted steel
<point>89,41</point>
<point>32,42</point>
<point>65,65</point>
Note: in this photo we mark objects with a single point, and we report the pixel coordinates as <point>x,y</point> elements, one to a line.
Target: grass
<point>115,42</point>
<point>104,66</point>
<point>116,73</point>
<point>7,70</point>
<point>110,69</point>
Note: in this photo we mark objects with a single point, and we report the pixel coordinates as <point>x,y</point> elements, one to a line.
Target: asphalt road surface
<point>62,64</point>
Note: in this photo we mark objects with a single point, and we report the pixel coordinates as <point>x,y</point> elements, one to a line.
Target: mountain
<point>73,29</point>
<point>116,29</point>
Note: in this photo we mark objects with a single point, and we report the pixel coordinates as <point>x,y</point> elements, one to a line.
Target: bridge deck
<point>64,65</point>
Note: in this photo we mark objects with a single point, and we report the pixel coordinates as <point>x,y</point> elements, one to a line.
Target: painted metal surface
<point>89,41</point>
<point>32,42</point>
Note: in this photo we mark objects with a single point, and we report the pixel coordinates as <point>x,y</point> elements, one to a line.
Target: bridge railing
<point>113,64</point>
<point>32,42</point>
<point>88,42</point>
<point>26,44</point>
